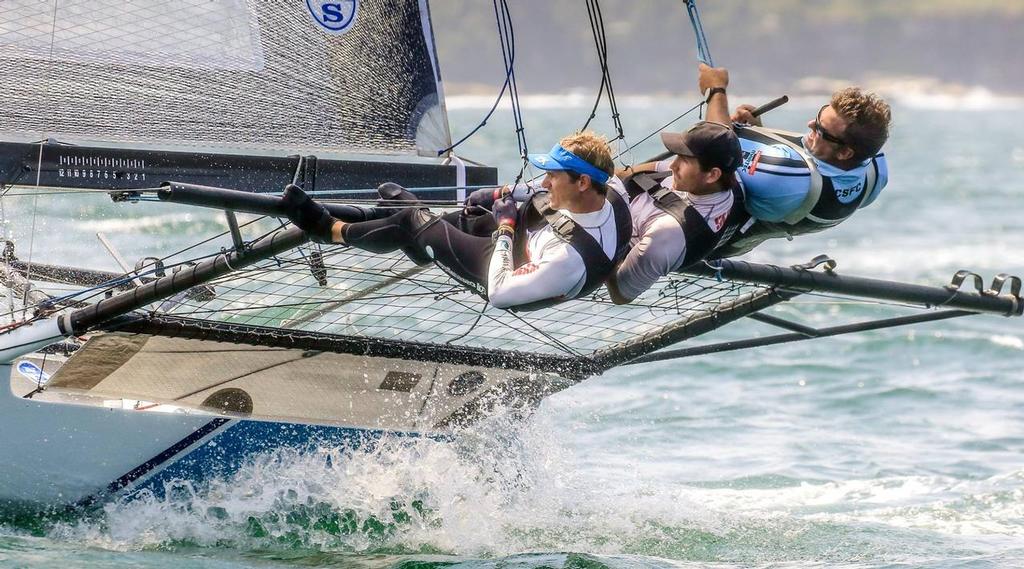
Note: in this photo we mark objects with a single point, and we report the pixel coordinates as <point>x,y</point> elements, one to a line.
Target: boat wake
<point>506,487</point>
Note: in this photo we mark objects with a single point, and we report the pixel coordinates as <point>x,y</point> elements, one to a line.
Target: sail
<point>352,76</point>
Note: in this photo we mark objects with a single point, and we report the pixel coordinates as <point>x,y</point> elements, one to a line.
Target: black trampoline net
<point>345,292</point>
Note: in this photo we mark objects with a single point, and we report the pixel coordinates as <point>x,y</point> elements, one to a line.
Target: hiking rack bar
<point>278,242</point>
<point>805,280</point>
<point>797,336</point>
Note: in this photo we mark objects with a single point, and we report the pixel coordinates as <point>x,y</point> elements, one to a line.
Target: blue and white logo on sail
<point>334,17</point>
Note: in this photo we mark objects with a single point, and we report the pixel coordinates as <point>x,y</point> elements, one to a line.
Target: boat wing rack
<point>950,301</point>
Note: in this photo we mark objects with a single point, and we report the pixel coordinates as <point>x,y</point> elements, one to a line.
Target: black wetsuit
<point>426,237</point>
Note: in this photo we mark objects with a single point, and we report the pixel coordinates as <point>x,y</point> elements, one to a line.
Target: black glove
<point>307,214</point>
<point>505,212</point>
<point>481,201</point>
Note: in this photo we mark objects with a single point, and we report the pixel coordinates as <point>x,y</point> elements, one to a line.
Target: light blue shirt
<point>779,182</point>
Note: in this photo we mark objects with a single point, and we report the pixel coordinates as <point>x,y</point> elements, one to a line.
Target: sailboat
<point>188,364</point>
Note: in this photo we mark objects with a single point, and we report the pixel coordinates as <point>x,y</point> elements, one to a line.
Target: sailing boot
<point>308,215</point>
<point>394,195</point>
<point>392,199</point>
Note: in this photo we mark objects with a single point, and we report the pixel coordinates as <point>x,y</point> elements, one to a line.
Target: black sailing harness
<point>536,212</point>
<point>701,240</point>
<point>821,207</point>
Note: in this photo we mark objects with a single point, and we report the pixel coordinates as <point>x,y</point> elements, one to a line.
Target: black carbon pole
<point>83,319</point>
<point>245,202</point>
<point>798,336</point>
<point>804,280</point>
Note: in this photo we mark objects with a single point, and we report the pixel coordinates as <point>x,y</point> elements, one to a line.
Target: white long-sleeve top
<point>554,269</point>
<point>658,244</point>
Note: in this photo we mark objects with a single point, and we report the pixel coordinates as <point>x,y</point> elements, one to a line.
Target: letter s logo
<point>335,17</point>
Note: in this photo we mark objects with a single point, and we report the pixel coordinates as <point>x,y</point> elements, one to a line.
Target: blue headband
<point>561,159</point>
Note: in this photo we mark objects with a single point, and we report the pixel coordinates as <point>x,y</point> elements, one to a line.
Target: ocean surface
<point>892,448</point>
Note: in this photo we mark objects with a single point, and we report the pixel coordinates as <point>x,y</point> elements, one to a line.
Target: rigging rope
<point>663,127</point>
<point>601,45</point>
<point>703,55</point>
<point>506,37</point>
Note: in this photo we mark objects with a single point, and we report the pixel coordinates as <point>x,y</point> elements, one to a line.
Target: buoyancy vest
<point>823,206</point>
<point>700,238</point>
<point>537,212</point>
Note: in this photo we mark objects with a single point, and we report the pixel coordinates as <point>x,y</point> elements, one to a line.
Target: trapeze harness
<point>823,205</point>
<point>536,212</point>
<point>701,240</point>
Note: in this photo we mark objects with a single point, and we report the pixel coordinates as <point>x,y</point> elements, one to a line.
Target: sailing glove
<point>307,214</point>
<point>481,201</point>
<point>505,211</point>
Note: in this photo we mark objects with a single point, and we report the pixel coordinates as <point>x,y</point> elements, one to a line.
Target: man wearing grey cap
<point>678,223</point>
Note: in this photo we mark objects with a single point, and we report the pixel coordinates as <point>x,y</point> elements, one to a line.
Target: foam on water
<point>510,487</point>
<point>491,492</point>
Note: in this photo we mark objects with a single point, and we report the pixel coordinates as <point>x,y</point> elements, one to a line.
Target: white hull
<point>63,453</point>
<point>68,447</point>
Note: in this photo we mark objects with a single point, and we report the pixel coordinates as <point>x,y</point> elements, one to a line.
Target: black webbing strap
<point>537,212</point>
<point>701,240</point>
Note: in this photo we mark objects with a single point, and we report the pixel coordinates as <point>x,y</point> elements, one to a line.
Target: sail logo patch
<point>336,17</point>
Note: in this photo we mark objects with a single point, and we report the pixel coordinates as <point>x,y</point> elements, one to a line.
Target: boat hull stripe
<point>174,450</point>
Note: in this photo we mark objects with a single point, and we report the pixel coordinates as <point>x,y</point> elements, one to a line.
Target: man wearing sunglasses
<point>795,184</point>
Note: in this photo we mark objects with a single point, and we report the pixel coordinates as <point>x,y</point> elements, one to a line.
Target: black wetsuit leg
<point>465,255</point>
<point>353,214</point>
<point>479,224</point>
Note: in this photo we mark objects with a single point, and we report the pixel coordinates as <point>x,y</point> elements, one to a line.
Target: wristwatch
<point>712,91</point>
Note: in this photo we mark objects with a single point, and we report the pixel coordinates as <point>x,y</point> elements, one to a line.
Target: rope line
<point>601,45</point>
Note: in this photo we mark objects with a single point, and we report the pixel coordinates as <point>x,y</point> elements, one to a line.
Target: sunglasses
<point>824,133</point>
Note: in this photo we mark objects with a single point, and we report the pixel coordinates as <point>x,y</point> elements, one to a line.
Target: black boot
<point>391,192</point>
<point>393,198</point>
<point>308,215</point>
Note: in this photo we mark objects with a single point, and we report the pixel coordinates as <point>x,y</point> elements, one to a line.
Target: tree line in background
<point>768,46</point>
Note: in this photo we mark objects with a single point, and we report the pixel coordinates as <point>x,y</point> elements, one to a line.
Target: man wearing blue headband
<point>679,219</point>
<point>560,244</point>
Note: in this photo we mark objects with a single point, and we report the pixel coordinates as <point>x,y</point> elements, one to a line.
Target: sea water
<point>892,448</point>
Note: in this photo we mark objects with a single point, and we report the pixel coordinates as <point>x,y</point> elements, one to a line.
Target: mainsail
<point>355,76</point>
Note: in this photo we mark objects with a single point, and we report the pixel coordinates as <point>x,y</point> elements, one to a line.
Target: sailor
<point>797,184</point>
<point>679,220</point>
<point>560,244</point>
